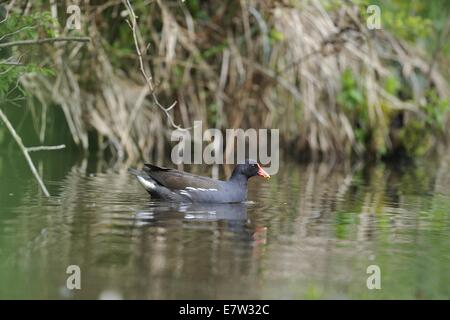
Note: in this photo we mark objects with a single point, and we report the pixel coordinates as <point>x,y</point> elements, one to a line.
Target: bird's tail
<point>136,172</point>
<point>144,179</point>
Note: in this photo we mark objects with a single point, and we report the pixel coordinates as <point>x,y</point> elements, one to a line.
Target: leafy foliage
<point>352,99</point>
<point>20,27</point>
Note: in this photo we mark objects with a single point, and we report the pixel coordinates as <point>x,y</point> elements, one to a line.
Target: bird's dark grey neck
<point>239,179</point>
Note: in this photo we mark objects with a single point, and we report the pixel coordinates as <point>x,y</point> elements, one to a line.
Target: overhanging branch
<point>41,41</point>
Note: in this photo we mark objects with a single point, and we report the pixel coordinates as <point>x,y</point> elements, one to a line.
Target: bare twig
<point>24,150</point>
<point>10,63</point>
<point>45,40</point>
<point>16,32</point>
<point>7,70</point>
<point>41,148</point>
<point>134,27</point>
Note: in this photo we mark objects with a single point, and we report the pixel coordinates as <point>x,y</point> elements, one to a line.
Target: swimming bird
<point>174,185</point>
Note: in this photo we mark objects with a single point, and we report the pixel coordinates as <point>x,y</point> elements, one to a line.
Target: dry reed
<point>230,71</point>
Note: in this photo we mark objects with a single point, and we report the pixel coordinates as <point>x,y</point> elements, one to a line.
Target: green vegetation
<point>19,27</point>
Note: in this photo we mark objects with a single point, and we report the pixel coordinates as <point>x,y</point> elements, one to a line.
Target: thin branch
<point>41,41</point>
<point>10,63</point>
<point>41,148</point>
<point>16,32</point>
<point>7,70</point>
<point>24,150</point>
<point>134,28</point>
<point>13,88</point>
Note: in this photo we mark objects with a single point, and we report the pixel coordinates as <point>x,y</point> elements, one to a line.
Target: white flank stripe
<point>147,184</point>
<point>200,189</point>
<point>185,193</point>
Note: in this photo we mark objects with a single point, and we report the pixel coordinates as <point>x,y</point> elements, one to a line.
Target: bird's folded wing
<point>178,180</point>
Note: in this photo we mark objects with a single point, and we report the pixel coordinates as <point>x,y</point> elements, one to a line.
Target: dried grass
<point>251,80</point>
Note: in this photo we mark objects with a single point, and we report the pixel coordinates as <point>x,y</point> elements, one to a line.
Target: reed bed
<point>313,70</point>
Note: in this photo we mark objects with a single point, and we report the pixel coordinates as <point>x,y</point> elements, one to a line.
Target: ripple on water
<point>310,229</point>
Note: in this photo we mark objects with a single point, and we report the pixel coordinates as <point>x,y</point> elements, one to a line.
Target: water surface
<point>308,233</point>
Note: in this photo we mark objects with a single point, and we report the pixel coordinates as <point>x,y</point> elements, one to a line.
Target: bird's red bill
<point>262,173</point>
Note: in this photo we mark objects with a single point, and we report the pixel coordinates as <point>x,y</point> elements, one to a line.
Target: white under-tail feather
<point>146,183</point>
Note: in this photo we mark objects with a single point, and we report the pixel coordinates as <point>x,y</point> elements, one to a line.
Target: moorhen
<point>174,185</point>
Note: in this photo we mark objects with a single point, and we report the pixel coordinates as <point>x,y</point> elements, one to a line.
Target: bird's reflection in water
<point>206,241</point>
<point>234,216</point>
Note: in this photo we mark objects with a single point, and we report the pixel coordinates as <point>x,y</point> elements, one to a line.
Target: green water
<point>308,233</point>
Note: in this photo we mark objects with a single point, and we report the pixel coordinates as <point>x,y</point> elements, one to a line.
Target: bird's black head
<point>249,168</point>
